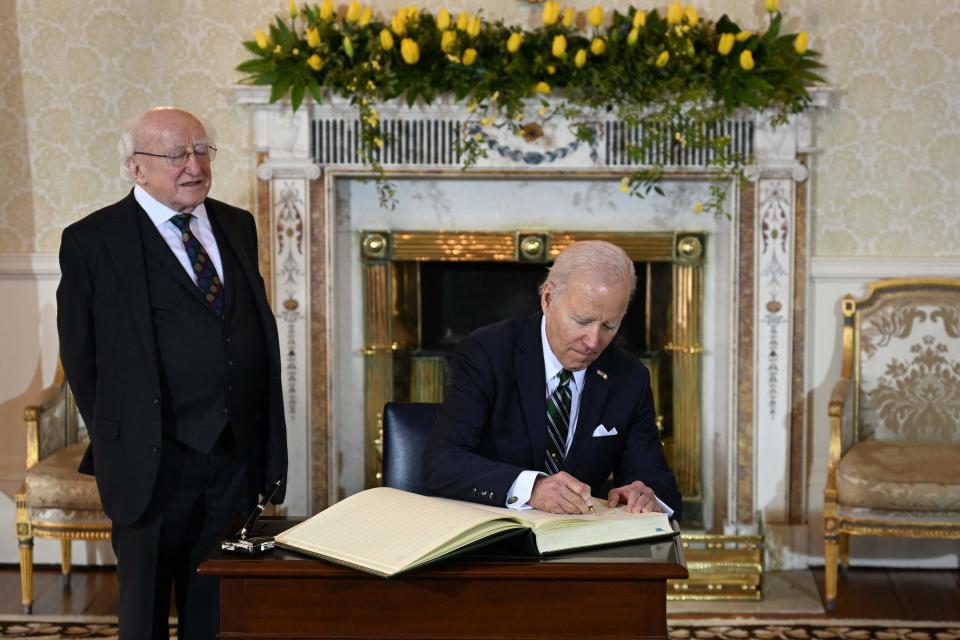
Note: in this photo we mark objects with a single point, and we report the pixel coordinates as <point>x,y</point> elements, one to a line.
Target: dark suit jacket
<point>108,350</point>
<point>492,424</point>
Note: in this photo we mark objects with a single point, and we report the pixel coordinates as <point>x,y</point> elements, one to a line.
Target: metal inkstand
<point>240,543</point>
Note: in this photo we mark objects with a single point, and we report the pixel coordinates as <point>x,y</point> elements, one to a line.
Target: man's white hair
<point>598,260</point>
<point>132,128</point>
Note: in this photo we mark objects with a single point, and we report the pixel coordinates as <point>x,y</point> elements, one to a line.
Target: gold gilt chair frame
<point>845,406</point>
<point>29,527</point>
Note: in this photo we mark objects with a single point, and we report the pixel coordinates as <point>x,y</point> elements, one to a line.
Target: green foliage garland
<point>675,73</point>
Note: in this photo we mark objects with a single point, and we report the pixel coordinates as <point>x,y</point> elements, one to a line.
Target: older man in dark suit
<point>171,350</point>
<point>542,410</point>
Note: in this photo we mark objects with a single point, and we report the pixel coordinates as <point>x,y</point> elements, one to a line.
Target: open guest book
<point>386,531</point>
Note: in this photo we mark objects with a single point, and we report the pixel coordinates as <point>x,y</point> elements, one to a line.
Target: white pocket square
<point>601,431</point>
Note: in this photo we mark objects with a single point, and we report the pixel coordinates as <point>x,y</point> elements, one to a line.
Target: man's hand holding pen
<point>561,493</point>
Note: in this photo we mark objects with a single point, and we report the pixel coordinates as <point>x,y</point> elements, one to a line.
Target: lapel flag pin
<point>602,373</point>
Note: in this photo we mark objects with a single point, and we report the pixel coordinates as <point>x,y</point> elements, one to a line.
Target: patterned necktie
<point>558,422</point>
<point>207,279</point>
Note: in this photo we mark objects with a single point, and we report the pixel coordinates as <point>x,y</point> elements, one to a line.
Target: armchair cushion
<point>55,482</point>
<point>913,476</point>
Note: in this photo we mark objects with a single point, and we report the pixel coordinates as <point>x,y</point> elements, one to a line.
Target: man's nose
<point>193,163</point>
<point>591,338</point>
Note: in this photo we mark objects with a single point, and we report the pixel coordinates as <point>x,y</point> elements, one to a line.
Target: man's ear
<point>135,170</point>
<point>546,297</point>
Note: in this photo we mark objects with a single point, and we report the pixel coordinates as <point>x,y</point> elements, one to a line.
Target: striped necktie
<point>207,279</point>
<point>558,422</point>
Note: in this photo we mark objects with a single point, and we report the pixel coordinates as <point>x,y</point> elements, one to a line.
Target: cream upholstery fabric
<point>900,476</point>
<point>55,482</point>
<point>910,367</point>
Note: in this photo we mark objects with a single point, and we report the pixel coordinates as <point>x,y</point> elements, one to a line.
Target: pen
<point>594,511</point>
<point>260,507</point>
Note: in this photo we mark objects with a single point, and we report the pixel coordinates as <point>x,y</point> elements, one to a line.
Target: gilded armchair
<point>55,500</point>
<point>894,452</point>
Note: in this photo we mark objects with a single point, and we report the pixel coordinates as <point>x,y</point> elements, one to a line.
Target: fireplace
<point>424,291</point>
<point>322,226</point>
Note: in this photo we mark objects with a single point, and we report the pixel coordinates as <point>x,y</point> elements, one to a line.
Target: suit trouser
<point>197,499</point>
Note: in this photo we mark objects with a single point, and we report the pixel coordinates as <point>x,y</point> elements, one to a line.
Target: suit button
<point>229,387</point>
<point>156,400</point>
<point>228,339</point>
<point>493,496</point>
<point>226,411</point>
<point>230,362</point>
<point>156,449</point>
<point>483,494</point>
<point>475,492</point>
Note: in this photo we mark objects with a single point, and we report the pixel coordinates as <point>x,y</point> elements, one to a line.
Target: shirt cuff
<point>518,497</point>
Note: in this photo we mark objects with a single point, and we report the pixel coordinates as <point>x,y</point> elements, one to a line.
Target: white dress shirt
<point>160,215</point>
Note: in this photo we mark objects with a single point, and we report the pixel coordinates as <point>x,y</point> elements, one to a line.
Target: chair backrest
<point>406,427</point>
<point>902,351</point>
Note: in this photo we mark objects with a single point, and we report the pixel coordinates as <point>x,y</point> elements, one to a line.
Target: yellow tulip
<point>746,60</point>
<point>313,38</point>
<point>469,57</point>
<point>800,42</point>
<point>314,62</point>
<point>690,13</point>
<point>295,52</point>
<point>551,69</point>
<point>674,13</point>
<point>326,10</point>
<point>448,41</point>
<point>580,59</point>
<point>598,47</point>
<point>261,38</point>
<point>463,20</point>
<point>443,20</point>
<point>551,11</point>
<point>386,40</point>
<point>365,16</point>
<point>663,59</point>
<point>409,51</point>
<point>567,19</point>
<point>277,50</point>
<point>771,5</point>
<point>725,45</point>
<point>744,35</point>
<point>293,9</point>
<point>398,23</point>
<point>633,36</point>
<point>514,41</point>
<point>639,18</point>
<point>542,87</point>
<point>595,15</point>
<point>353,12</point>
<point>473,29</point>
<point>348,46</point>
<point>625,184</point>
<point>559,48</point>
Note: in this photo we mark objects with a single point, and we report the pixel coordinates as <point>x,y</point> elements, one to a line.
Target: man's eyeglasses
<point>178,157</point>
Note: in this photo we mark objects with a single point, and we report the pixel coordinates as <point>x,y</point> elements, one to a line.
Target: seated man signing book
<point>541,410</point>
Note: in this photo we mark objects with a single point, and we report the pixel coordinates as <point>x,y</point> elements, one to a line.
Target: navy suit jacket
<point>492,424</point>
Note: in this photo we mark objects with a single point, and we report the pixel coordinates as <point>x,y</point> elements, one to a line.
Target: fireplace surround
<point>317,209</point>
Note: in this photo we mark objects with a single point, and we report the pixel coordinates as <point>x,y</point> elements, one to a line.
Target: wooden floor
<point>864,593</point>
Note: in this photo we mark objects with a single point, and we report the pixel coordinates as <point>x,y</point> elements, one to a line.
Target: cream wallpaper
<point>886,183</point>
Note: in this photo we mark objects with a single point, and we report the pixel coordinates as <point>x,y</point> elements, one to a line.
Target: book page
<point>561,531</point>
<point>387,530</point>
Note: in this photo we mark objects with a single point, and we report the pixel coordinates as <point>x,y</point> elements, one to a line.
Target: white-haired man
<point>171,350</point>
<point>541,410</point>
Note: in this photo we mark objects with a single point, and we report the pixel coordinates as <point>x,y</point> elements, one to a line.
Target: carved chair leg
<point>830,553</point>
<point>26,574</point>
<point>66,561</point>
<point>844,552</point>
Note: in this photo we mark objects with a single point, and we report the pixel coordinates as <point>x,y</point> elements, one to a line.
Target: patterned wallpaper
<point>886,182</point>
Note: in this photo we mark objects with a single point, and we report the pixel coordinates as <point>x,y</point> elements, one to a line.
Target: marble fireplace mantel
<point>313,198</point>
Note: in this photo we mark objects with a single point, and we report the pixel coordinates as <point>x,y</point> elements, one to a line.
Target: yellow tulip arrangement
<point>649,66</point>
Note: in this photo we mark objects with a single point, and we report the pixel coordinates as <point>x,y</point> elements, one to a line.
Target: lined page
<point>387,530</point>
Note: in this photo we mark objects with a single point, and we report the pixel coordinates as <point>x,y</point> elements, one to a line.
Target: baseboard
<point>16,266</point>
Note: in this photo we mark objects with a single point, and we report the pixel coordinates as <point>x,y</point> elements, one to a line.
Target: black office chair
<point>406,428</point>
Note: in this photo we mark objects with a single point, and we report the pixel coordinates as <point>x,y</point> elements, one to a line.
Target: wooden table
<point>616,592</point>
